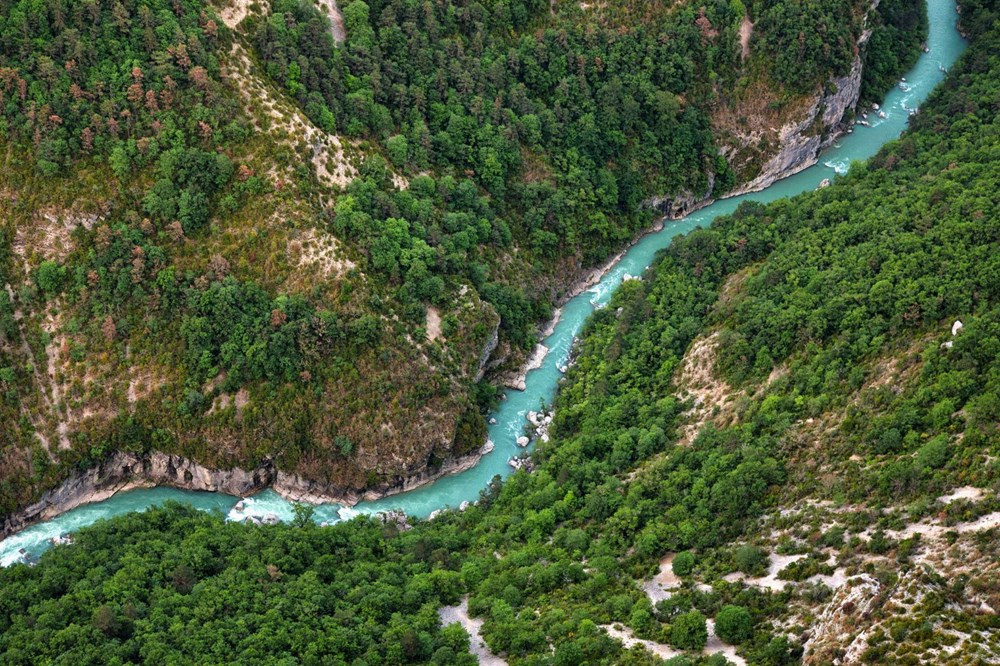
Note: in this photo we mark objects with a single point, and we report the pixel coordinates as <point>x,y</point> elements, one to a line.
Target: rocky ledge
<point>125,471</point>
<point>799,142</point>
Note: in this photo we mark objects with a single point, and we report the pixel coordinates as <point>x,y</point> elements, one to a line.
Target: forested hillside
<point>780,444</point>
<point>292,237</point>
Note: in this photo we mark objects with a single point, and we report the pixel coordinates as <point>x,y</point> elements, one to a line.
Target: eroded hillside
<point>780,445</point>
<point>284,236</point>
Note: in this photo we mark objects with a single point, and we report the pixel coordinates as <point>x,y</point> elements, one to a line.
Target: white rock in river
<point>487,447</point>
<point>463,506</point>
<point>493,421</point>
<point>523,441</point>
<point>239,506</point>
<point>434,514</point>
<point>271,519</point>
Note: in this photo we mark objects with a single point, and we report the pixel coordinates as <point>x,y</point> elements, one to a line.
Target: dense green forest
<point>186,275</point>
<point>802,305</point>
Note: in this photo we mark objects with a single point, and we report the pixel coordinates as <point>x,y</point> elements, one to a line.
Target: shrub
<point>683,563</point>
<point>750,559</point>
<point>689,632</point>
<point>734,624</point>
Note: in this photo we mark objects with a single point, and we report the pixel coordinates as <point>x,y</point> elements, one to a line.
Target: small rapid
<point>945,45</point>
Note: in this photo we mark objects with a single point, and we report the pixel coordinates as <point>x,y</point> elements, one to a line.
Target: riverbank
<point>419,497</point>
<point>592,277</point>
<point>125,471</point>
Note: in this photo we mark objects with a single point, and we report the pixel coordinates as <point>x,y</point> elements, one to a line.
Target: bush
<point>734,624</point>
<point>683,563</point>
<point>50,277</point>
<point>933,454</point>
<point>750,559</point>
<point>689,632</point>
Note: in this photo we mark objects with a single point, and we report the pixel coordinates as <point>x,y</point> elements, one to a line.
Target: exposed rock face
<point>128,470</point>
<point>484,357</point>
<point>125,471</point>
<point>517,381</point>
<point>801,142</point>
<point>682,204</point>
<point>842,623</point>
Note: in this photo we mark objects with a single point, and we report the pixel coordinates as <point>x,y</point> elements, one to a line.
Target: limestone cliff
<point>125,470</point>
<point>800,141</point>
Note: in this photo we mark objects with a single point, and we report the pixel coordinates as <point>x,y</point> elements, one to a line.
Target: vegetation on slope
<point>197,263</point>
<point>812,296</point>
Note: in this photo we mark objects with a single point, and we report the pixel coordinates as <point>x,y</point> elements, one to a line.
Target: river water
<point>945,46</point>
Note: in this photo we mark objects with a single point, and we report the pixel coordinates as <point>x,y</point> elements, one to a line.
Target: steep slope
<point>254,242</point>
<point>864,416</point>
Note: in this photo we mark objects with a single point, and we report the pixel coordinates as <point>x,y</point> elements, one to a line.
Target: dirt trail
<point>746,32</point>
<point>290,125</point>
<point>460,614</point>
<point>332,11</point>
<point>663,582</point>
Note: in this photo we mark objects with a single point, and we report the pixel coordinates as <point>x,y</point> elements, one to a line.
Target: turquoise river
<point>944,47</point>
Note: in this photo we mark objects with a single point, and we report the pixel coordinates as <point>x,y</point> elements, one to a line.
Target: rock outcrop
<point>484,357</point>
<point>683,204</point>
<point>123,471</point>
<point>126,471</point>
<point>800,142</point>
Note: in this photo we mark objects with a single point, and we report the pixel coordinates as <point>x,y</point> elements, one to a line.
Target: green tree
<point>733,624</point>
<point>683,563</point>
<point>50,277</point>
<point>689,631</point>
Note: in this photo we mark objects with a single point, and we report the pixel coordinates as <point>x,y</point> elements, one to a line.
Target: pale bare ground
<point>48,411</point>
<point>460,614</point>
<point>746,32</point>
<point>963,493</point>
<point>663,582</point>
<point>931,531</point>
<point>329,7</point>
<point>49,237</point>
<point>624,635</point>
<point>288,124</point>
<point>433,324</point>
<point>769,581</point>
<point>225,400</point>
<point>714,645</point>
<point>234,12</point>
<point>865,607</point>
<point>319,252</point>
<point>697,380</point>
<point>51,324</point>
<point>142,382</point>
<point>839,621</point>
<point>838,630</point>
